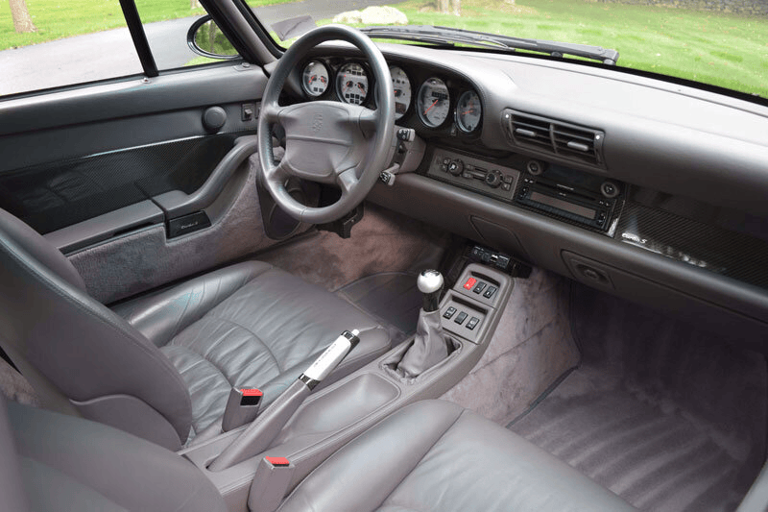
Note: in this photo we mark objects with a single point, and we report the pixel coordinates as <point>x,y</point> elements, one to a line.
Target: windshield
<point>716,42</point>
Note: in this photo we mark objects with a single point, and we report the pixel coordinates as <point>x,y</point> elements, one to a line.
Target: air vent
<point>531,130</point>
<point>555,137</point>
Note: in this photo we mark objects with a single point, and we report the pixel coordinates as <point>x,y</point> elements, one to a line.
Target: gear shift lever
<point>430,283</point>
<point>429,345</point>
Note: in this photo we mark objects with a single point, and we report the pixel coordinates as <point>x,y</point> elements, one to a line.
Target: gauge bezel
<point>410,83</point>
<point>328,72</point>
<point>367,76</point>
<point>425,121</point>
<point>457,116</point>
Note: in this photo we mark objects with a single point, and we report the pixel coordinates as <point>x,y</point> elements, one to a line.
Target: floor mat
<point>649,453</point>
<point>666,416</point>
<point>391,297</point>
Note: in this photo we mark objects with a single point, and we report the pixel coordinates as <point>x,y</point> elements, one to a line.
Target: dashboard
<point>647,189</point>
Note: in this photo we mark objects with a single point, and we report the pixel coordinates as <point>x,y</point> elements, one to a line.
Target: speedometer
<point>402,88</point>
<point>468,111</point>
<point>434,102</point>
<point>314,80</point>
<point>352,83</point>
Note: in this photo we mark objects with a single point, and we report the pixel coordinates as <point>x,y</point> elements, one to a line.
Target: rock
<point>384,15</point>
<point>348,17</point>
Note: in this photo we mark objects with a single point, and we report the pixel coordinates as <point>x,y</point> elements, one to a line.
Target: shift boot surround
<point>429,345</point>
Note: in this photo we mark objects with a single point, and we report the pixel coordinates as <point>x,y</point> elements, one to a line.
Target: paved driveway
<point>111,54</point>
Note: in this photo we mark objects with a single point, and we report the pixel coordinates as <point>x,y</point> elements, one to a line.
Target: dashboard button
<point>460,319</point>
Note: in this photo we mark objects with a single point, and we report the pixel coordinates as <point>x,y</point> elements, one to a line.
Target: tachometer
<point>434,102</point>
<point>468,111</point>
<point>314,80</point>
<point>352,83</point>
<point>402,87</point>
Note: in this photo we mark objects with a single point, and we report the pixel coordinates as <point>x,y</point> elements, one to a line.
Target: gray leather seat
<point>435,455</point>
<point>161,366</point>
<point>52,462</point>
<point>431,455</point>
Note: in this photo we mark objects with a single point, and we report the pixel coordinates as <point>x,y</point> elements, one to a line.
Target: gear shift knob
<point>430,283</point>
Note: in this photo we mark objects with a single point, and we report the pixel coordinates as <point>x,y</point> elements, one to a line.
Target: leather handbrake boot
<point>429,345</point>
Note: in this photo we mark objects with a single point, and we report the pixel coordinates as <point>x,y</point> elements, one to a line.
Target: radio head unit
<point>568,194</point>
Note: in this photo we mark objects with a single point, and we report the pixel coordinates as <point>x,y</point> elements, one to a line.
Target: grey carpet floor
<point>652,454</point>
<point>664,416</point>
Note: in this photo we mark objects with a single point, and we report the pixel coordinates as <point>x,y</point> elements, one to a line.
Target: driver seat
<point>162,366</point>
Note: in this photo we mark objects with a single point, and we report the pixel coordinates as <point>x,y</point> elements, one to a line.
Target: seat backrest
<point>67,343</point>
<point>66,463</point>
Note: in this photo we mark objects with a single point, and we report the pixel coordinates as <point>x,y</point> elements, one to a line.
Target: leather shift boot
<point>429,346</point>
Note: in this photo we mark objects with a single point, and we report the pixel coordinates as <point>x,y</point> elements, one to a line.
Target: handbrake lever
<point>265,428</point>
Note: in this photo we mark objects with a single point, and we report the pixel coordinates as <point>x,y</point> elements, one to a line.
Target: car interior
<point>355,275</point>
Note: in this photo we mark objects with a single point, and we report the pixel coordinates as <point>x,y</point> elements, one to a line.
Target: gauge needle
<point>470,111</point>
<point>430,107</point>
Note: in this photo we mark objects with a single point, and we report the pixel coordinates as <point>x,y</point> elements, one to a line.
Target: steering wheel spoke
<point>270,113</point>
<point>347,181</point>
<point>367,122</point>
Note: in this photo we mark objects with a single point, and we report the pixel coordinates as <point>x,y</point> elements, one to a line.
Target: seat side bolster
<point>365,472</point>
<point>161,315</point>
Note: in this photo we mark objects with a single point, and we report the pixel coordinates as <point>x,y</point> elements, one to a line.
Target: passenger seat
<point>431,455</point>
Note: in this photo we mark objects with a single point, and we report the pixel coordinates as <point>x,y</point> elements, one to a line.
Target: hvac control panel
<point>474,174</point>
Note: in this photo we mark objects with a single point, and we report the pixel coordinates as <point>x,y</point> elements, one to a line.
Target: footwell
<point>666,417</point>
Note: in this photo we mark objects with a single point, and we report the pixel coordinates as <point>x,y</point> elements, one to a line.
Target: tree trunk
<point>194,4</point>
<point>443,6</point>
<point>456,7</point>
<point>22,21</point>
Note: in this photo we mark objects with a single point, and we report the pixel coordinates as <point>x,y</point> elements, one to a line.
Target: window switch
<point>473,323</point>
<point>489,292</point>
<point>460,319</point>
<point>480,287</point>
<point>449,312</point>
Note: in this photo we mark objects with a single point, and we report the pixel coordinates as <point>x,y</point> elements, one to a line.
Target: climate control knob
<point>493,179</point>
<point>456,167</point>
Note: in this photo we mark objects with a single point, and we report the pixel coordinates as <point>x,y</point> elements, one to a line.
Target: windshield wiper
<point>447,35</point>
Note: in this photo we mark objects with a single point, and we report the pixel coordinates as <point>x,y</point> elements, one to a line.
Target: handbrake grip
<point>265,428</point>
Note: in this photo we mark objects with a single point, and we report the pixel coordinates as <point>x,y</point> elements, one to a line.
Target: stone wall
<point>746,7</point>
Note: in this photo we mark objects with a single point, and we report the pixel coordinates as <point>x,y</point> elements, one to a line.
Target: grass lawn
<point>56,19</point>
<point>722,49</point>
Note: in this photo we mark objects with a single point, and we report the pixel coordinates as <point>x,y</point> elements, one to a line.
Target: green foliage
<point>728,50</point>
<point>56,19</point>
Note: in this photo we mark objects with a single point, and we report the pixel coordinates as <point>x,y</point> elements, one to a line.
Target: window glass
<point>51,43</point>
<point>717,42</point>
<point>166,23</point>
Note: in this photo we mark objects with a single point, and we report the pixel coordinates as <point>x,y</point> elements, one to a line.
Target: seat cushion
<point>438,456</point>
<point>68,463</point>
<point>248,325</point>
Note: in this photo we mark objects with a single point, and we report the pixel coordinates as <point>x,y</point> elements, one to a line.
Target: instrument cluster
<point>438,99</point>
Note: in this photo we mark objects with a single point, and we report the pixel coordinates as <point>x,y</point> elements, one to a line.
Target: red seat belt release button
<point>470,283</point>
<point>242,407</point>
<point>270,484</point>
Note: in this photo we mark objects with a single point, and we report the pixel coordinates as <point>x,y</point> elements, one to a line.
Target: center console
<point>331,417</point>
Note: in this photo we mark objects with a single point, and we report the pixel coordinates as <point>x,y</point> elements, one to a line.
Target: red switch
<point>470,283</point>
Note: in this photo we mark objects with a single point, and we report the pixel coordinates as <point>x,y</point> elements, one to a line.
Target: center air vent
<point>555,137</point>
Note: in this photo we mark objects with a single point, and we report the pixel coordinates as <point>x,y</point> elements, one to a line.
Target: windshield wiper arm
<point>444,35</point>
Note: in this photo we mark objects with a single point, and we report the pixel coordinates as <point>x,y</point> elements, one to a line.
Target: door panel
<point>107,172</point>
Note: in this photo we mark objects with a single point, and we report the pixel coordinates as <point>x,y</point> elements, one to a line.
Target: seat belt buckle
<point>270,484</point>
<point>242,407</point>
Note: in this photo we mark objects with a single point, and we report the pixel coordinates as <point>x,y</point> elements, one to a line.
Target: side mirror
<point>205,38</point>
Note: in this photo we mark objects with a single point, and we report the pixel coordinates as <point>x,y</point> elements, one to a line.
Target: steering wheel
<point>327,142</point>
